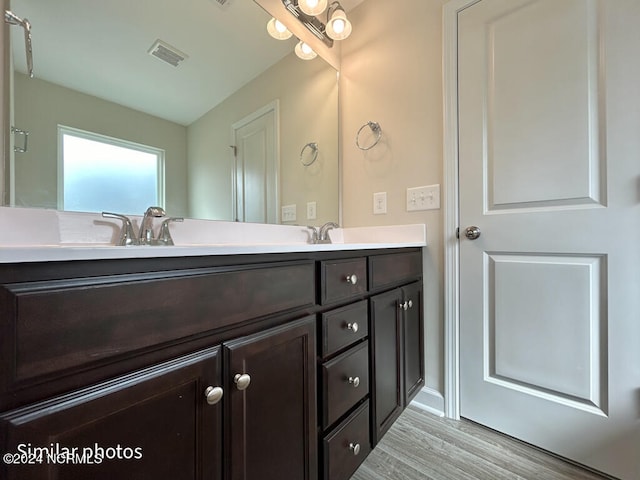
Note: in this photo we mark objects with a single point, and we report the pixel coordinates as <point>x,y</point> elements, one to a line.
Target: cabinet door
<point>413,341</point>
<point>386,362</point>
<point>154,423</point>
<point>271,400</point>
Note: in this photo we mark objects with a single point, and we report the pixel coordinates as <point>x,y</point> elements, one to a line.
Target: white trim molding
<point>451,208</point>
<point>429,400</point>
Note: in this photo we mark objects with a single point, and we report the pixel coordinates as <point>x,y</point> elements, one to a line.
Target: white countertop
<point>30,235</point>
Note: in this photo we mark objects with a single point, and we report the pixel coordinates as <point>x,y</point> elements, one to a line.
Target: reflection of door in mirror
<point>255,147</point>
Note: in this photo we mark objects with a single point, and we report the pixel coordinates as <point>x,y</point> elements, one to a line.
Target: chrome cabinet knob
<point>405,305</point>
<point>213,395</point>
<point>242,381</point>
<point>353,327</point>
<point>472,232</point>
<point>352,279</point>
<point>355,381</point>
<point>355,448</point>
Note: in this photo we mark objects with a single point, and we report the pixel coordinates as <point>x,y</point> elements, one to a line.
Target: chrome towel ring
<point>375,129</point>
<point>313,146</point>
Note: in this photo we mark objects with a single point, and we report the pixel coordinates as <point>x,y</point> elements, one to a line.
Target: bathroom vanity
<point>283,365</point>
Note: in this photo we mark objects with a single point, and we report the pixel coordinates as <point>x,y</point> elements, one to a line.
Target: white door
<point>256,141</point>
<point>549,170</point>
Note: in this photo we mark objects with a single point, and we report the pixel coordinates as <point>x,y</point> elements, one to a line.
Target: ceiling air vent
<point>167,53</point>
<point>222,3</point>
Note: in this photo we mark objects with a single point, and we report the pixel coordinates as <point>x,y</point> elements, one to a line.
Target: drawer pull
<point>352,279</point>
<point>242,381</point>
<point>213,395</point>
<point>355,381</point>
<point>355,448</point>
<point>406,305</point>
<point>353,327</point>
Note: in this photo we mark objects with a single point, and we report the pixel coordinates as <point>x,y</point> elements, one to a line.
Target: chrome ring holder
<point>377,131</point>
<point>314,155</point>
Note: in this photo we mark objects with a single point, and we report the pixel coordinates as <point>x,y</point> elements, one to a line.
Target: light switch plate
<point>423,198</point>
<point>379,203</point>
<point>289,213</point>
<point>311,211</point>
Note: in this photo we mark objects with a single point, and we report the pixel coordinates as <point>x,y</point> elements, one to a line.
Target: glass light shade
<point>338,26</point>
<point>304,51</point>
<point>312,7</point>
<point>277,30</point>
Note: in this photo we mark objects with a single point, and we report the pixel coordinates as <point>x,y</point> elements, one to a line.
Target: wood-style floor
<point>422,446</point>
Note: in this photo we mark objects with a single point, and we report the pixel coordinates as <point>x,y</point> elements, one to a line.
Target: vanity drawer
<point>347,446</point>
<point>394,268</point>
<point>64,325</point>
<point>345,382</point>
<point>341,279</point>
<point>344,326</point>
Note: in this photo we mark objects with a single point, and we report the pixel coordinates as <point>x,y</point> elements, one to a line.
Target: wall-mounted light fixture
<point>304,51</point>
<point>337,26</point>
<point>277,30</point>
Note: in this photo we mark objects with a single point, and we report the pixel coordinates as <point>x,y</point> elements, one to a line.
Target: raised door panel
<point>271,424</point>
<point>413,341</point>
<point>155,423</point>
<point>386,361</point>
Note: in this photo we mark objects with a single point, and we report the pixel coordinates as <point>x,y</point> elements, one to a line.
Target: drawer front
<point>347,446</point>
<point>62,325</point>
<point>346,380</point>
<point>342,279</point>
<point>344,326</point>
<point>394,268</point>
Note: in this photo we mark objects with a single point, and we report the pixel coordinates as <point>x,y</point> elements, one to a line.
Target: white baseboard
<point>429,400</point>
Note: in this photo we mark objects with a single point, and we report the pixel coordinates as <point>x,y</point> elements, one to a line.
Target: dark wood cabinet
<point>254,367</point>
<point>270,427</point>
<point>397,354</point>
<point>154,423</point>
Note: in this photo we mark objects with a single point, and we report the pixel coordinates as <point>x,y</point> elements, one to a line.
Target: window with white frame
<point>98,173</point>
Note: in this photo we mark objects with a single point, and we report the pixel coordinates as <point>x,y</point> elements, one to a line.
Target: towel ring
<point>314,148</point>
<point>375,128</point>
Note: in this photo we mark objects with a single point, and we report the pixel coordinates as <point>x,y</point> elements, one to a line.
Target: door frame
<point>272,108</point>
<point>450,12</point>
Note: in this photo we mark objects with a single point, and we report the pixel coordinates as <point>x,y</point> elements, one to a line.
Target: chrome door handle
<point>353,327</point>
<point>472,232</point>
<point>355,381</point>
<point>352,279</point>
<point>355,448</point>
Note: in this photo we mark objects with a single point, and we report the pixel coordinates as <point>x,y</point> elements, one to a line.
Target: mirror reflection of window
<point>99,173</point>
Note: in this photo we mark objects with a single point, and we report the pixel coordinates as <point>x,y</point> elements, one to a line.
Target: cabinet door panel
<point>413,341</point>
<point>386,361</point>
<point>271,425</point>
<point>157,418</point>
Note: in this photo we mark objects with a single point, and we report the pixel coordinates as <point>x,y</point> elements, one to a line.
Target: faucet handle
<point>164,237</point>
<point>127,234</point>
<point>313,234</point>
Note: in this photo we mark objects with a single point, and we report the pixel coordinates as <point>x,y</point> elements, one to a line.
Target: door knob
<point>242,381</point>
<point>472,232</point>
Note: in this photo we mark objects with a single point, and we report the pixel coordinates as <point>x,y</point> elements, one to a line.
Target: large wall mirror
<point>95,78</point>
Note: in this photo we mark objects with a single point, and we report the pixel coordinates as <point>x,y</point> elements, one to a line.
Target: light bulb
<point>304,51</point>
<point>338,27</point>
<point>312,7</point>
<point>278,30</point>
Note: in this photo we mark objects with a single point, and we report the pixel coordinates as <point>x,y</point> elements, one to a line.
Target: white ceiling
<point>100,48</point>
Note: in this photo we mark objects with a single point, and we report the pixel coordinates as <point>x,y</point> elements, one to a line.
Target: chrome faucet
<point>323,233</point>
<point>146,236</point>
<point>127,234</point>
